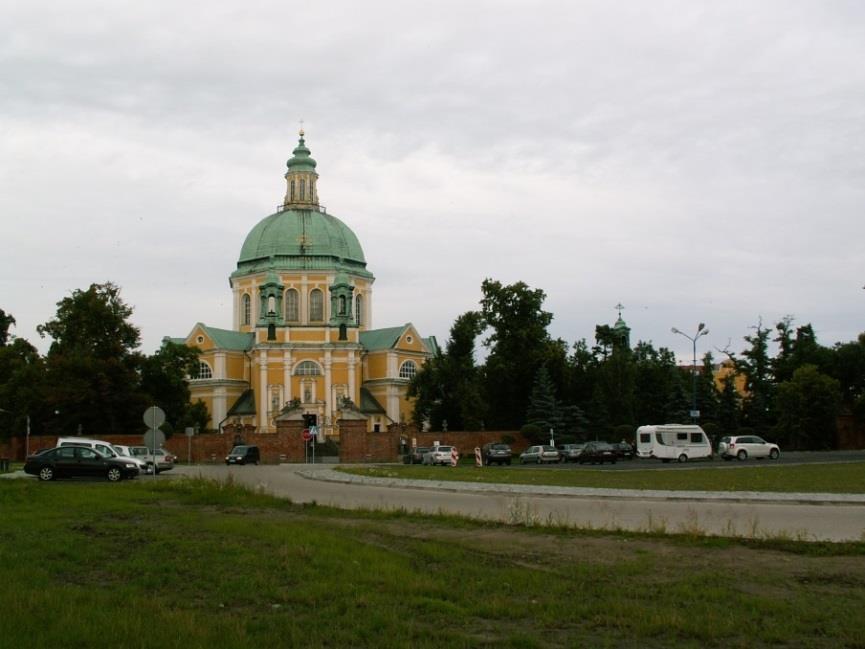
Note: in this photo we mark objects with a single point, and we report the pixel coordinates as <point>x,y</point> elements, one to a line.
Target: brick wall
<point>465,441</point>
<point>357,445</point>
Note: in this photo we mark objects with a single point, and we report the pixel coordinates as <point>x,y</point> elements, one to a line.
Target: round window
<point>199,340</point>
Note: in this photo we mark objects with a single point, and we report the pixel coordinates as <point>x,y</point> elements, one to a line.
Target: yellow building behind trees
<point>301,342</point>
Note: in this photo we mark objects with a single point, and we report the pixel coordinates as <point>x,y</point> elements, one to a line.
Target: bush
<point>625,432</point>
<point>533,433</point>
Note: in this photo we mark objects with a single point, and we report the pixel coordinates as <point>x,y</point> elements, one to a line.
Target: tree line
<point>532,382</point>
<point>93,380</point>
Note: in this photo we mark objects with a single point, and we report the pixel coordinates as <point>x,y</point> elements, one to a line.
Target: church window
<point>292,311</point>
<point>307,368</point>
<point>408,370</point>
<point>204,371</point>
<point>316,306</point>
<point>358,310</point>
<point>292,190</point>
<point>302,189</point>
<point>247,309</point>
<point>342,305</point>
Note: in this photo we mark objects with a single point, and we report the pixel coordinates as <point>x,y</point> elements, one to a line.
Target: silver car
<point>539,454</point>
<point>742,447</point>
<point>439,455</point>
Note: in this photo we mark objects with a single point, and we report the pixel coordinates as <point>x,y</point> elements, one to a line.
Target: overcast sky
<point>695,161</point>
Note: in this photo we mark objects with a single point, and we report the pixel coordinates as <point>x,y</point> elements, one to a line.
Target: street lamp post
<point>701,331</point>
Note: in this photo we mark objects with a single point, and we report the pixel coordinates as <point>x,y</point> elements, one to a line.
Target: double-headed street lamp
<point>701,331</point>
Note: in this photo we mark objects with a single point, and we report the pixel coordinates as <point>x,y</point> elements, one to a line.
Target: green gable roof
<point>230,340</point>
<point>245,405</point>
<point>369,405</point>
<point>378,339</point>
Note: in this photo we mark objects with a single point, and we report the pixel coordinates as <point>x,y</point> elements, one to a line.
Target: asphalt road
<point>753,519</point>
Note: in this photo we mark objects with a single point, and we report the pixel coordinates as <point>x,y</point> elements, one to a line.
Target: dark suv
<point>243,455</point>
<point>497,452</point>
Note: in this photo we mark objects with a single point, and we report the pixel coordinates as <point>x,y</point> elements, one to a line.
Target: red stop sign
<point>306,435</point>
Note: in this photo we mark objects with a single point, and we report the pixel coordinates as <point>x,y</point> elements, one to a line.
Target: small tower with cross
<point>621,330</point>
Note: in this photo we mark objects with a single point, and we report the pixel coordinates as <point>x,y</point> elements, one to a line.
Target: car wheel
<point>46,473</point>
<point>114,474</point>
<point>742,455</point>
<point>774,454</point>
<point>683,458</point>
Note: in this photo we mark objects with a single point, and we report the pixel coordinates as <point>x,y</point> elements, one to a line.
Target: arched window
<point>204,371</point>
<point>342,305</point>
<point>316,306</point>
<point>302,189</point>
<point>292,310</point>
<point>247,309</point>
<point>292,190</point>
<point>358,310</point>
<point>307,368</point>
<point>407,370</point>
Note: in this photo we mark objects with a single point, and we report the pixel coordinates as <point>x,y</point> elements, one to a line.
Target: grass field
<point>810,478</point>
<point>189,563</point>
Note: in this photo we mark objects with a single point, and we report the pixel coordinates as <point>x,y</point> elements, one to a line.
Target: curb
<point>330,475</point>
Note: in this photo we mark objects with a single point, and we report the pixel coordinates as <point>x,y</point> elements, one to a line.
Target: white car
<point>439,455</point>
<point>744,446</point>
<point>126,451</point>
<point>164,459</point>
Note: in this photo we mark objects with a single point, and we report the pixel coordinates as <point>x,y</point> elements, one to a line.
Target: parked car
<point>243,454</point>
<point>742,447</point>
<point>72,461</point>
<point>126,451</point>
<point>164,459</point>
<point>570,452</point>
<point>597,453</point>
<point>103,447</point>
<point>415,455</point>
<point>439,455</point>
<point>539,454</point>
<point>623,451</point>
<point>497,452</point>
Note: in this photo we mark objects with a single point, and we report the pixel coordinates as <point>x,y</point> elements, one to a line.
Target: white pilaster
<point>391,365</point>
<point>286,374</point>
<point>328,382</point>
<point>262,391</point>
<point>219,365</point>
<point>351,380</point>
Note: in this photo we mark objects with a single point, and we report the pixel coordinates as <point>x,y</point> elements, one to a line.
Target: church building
<point>302,342</point>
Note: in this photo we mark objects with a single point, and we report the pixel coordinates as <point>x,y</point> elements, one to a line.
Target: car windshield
<point>138,451</point>
<point>444,449</point>
<point>500,447</point>
<point>238,450</point>
<point>550,448</point>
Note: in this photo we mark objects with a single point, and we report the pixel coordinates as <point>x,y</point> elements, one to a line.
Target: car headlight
<point>131,466</point>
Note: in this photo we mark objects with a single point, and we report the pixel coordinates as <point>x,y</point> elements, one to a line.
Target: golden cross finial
<point>301,128</point>
<point>619,306</point>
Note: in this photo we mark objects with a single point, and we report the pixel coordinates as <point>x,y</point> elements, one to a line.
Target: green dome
<point>301,240</point>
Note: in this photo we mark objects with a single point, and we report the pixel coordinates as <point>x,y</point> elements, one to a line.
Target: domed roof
<point>301,240</point>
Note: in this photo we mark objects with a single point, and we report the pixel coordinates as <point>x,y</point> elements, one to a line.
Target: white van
<point>673,442</point>
<point>103,447</point>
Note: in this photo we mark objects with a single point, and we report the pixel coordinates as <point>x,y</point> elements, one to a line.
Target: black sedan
<point>78,461</point>
<point>597,453</point>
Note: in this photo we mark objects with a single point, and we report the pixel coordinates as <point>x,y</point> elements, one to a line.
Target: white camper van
<point>673,442</point>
